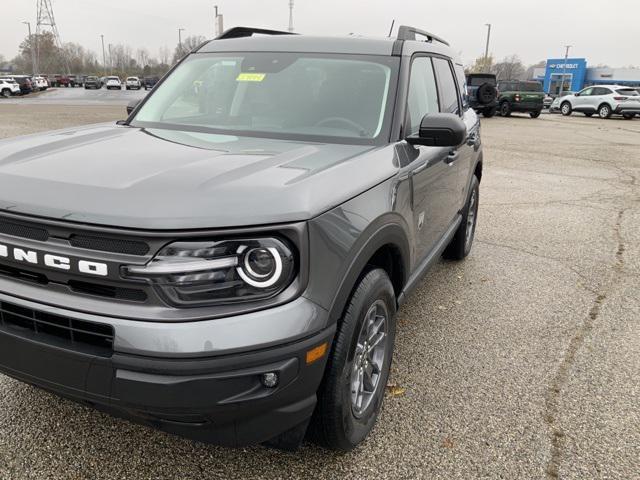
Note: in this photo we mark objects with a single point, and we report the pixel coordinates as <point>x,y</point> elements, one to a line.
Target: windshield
<point>278,95</point>
<point>531,86</point>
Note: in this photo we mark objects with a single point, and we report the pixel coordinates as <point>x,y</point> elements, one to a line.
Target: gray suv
<point>226,264</point>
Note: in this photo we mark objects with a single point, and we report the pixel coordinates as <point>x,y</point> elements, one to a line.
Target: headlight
<point>194,274</point>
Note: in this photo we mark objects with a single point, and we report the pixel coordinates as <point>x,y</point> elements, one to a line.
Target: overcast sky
<point>604,33</point>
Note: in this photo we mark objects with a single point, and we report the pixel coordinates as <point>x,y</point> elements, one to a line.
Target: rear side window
<point>601,91</point>
<point>449,100</point>
<point>423,93</point>
<point>531,86</point>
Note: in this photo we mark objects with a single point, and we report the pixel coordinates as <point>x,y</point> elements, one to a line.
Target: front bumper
<point>216,398</point>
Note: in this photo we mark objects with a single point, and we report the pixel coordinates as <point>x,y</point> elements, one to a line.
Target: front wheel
<point>535,114</point>
<point>505,109</point>
<point>462,241</point>
<point>566,109</point>
<point>353,389</point>
<point>628,116</point>
<point>6,93</point>
<point>604,111</point>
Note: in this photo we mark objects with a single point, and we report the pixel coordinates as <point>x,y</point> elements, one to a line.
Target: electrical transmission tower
<point>46,20</point>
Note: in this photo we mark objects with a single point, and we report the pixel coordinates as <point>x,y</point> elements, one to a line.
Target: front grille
<point>115,245</point>
<point>64,332</point>
<point>23,231</point>
<point>108,291</point>
<point>86,288</point>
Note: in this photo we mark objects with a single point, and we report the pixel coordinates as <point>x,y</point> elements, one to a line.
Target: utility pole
<point>180,30</point>
<point>104,57</point>
<point>110,61</point>
<point>32,49</point>
<point>218,23</point>
<point>291,16</point>
<point>564,68</point>
<point>486,50</point>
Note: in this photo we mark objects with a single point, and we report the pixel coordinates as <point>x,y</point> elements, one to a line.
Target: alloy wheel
<point>369,358</point>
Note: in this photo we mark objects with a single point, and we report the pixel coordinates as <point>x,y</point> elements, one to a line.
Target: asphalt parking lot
<point>77,96</point>
<point>521,362</point>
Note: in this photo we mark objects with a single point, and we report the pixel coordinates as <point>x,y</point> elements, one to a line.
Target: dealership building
<point>577,75</point>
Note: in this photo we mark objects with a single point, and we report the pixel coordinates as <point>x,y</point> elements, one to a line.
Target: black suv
<point>229,264</point>
<point>483,94</point>
<point>92,82</point>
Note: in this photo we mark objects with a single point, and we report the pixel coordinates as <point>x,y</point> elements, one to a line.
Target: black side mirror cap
<point>440,130</point>
<point>132,106</point>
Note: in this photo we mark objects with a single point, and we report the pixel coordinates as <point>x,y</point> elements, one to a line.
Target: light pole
<point>291,16</point>
<point>180,30</point>
<point>110,61</point>
<point>218,24</point>
<point>486,50</point>
<point>104,57</point>
<point>564,69</point>
<point>32,48</point>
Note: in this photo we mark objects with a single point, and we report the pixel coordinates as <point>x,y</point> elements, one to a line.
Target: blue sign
<point>574,71</point>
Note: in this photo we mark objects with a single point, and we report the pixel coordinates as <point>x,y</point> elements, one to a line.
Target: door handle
<point>452,157</point>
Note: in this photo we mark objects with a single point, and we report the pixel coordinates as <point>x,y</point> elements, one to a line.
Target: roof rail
<point>239,32</point>
<point>409,33</point>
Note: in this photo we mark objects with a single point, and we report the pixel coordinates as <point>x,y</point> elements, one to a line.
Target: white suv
<point>605,100</point>
<point>133,83</point>
<point>9,87</point>
<point>113,82</point>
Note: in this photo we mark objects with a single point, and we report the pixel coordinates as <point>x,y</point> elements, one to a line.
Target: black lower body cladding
<point>219,400</point>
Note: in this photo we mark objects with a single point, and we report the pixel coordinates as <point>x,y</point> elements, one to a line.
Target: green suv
<point>520,96</point>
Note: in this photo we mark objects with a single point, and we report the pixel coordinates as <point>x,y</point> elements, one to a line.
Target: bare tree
<point>482,65</point>
<point>187,45</point>
<point>510,68</point>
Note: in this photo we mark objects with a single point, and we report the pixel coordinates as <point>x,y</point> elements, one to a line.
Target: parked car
<point>113,83</point>
<point>133,83</point>
<point>520,96</point>
<point>603,100</point>
<point>483,94</point>
<point>92,82</point>
<point>150,82</point>
<point>39,83</point>
<point>229,266</point>
<point>547,101</point>
<point>9,87</point>
<point>24,81</point>
<point>61,81</point>
<point>76,80</point>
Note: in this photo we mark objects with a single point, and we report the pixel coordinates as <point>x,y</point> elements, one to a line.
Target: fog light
<point>270,380</point>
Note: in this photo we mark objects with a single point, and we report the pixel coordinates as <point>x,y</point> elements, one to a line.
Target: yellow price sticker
<point>251,77</point>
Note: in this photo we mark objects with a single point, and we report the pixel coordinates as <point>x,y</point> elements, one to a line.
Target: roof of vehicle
<point>351,44</point>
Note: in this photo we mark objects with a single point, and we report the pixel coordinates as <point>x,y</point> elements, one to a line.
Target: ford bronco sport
<point>226,264</point>
<point>520,96</point>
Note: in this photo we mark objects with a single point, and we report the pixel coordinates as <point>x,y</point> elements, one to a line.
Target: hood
<point>163,179</point>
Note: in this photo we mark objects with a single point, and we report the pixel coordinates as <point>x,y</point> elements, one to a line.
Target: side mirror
<point>132,106</point>
<point>440,130</point>
<point>577,94</point>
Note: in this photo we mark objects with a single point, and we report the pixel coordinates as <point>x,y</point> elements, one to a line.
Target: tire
<point>462,241</point>
<point>489,112</point>
<point>6,93</point>
<point>566,109</point>
<point>535,114</point>
<point>604,111</point>
<point>486,94</point>
<point>505,109</point>
<point>628,116</point>
<point>338,422</point>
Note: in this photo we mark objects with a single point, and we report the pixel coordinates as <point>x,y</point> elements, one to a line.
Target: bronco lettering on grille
<point>53,261</point>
